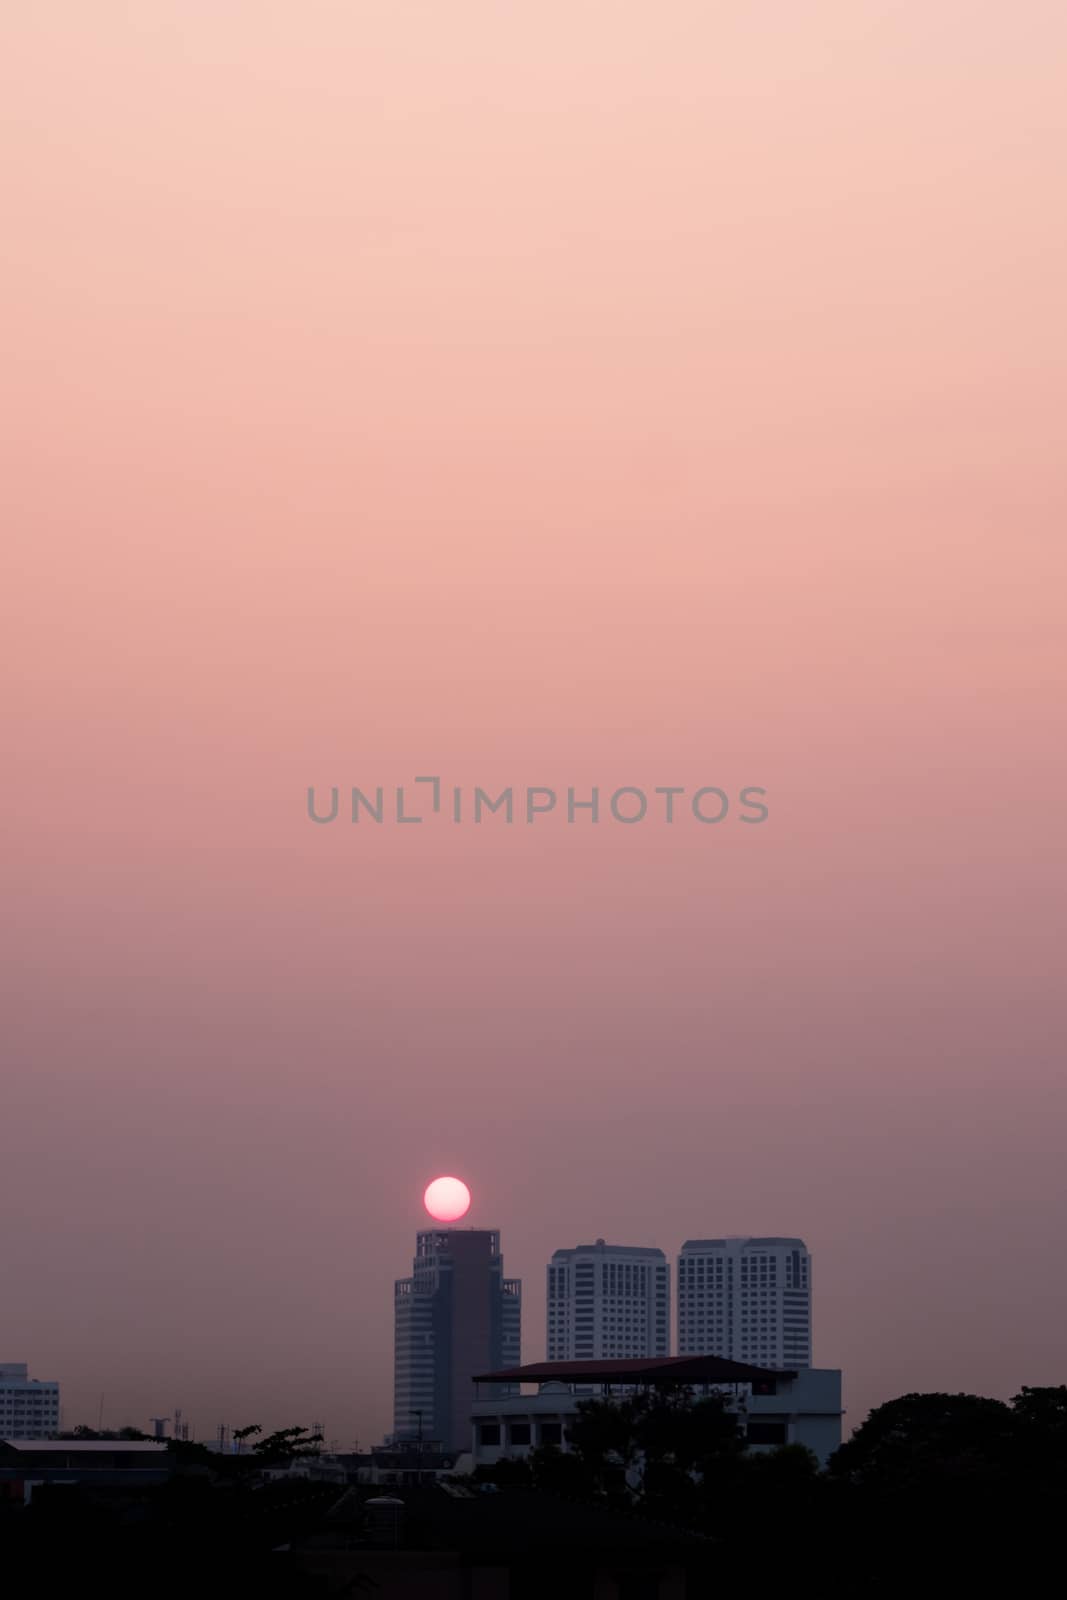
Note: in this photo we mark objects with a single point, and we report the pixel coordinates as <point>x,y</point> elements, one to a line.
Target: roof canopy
<point>80,1447</point>
<point>651,1370</point>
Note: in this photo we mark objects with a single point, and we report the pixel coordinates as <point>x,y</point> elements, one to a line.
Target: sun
<point>447,1199</point>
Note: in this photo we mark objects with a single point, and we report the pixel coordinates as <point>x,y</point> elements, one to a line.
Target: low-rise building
<point>29,1407</point>
<point>774,1407</point>
<point>404,1465</point>
<point>27,1464</point>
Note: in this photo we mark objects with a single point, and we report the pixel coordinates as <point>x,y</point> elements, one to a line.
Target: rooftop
<point>653,1370</point>
<point>759,1243</point>
<point>513,1522</point>
<point>78,1447</point>
<point>601,1246</point>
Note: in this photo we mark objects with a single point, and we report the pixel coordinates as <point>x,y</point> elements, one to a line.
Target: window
<point>766,1433</point>
<point>488,1433</point>
<point>518,1433</point>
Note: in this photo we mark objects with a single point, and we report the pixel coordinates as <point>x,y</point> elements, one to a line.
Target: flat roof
<point>601,1248</point>
<point>656,1369</point>
<point>78,1447</point>
<point>757,1240</point>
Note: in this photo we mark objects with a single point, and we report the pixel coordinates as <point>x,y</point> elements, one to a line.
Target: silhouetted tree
<point>921,1440</point>
<point>1044,1410</point>
<point>561,1472</point>
<point>790,1467</point>
<point>508,1471</point>
<point>602,1435</point>
<point>663,1450</point>
<point>1041,1420</point>
<point>286,1444</point>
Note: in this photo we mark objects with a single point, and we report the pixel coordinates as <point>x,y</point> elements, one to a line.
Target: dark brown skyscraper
<point>455,1316</point>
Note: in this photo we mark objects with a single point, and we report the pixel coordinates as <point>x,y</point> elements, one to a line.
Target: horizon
<point>271,1420</point>
<point>566,396</point>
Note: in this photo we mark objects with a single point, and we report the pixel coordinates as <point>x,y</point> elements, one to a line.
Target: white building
<point>773,1408</point>
<point>29,1408</point>
<point>608,1300</point>
<point>746,1300</point>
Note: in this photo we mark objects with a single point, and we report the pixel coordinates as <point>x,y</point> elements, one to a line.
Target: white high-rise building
<point>745,1299</point>
<point>29,1407</point>
<point>608,1300</point>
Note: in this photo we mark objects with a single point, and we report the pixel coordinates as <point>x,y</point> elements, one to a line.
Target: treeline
<point>931,1485</point>
<point>272,1449</point>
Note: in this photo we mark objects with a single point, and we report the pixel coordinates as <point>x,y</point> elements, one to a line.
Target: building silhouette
<point>456,1315</point>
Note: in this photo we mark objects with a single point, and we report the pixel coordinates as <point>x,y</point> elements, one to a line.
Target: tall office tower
<point>455,1316</point>
<point>29,1407</point>
<point>745,1299</point>
<point>608,1300</point>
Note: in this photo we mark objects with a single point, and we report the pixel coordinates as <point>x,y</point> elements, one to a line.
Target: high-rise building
<point>456,1315</point>
<point>608,1300</point>
<point>746,1299</point>
<point>29,1407</point>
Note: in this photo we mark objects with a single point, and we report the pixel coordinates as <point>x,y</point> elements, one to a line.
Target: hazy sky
<point>588,391</point>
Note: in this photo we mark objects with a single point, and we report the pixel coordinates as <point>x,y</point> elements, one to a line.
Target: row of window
<point>519,1433</point>
<point>747,1268</point>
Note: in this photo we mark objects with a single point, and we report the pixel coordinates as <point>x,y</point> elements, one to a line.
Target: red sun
<point>447,1199</point>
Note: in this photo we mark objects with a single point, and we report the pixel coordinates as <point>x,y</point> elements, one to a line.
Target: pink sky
<point>572,393</point>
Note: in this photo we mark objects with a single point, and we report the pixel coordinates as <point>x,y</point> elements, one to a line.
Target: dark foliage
<point>933,1492</point>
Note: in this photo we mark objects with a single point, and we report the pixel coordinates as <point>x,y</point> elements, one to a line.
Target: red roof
<point>652,1370</point>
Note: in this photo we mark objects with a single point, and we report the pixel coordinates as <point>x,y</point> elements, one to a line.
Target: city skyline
<point>603,1301</point>
<point>685,1337</point>
<point>550,396</point>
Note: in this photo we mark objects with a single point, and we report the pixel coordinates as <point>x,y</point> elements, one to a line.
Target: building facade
<point>456,1315</point>
<point>29,1407</point>
<point>608,1300</point>
<point>746,1299</point>
<point>29,1464</point>
<point>773,1408</point>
